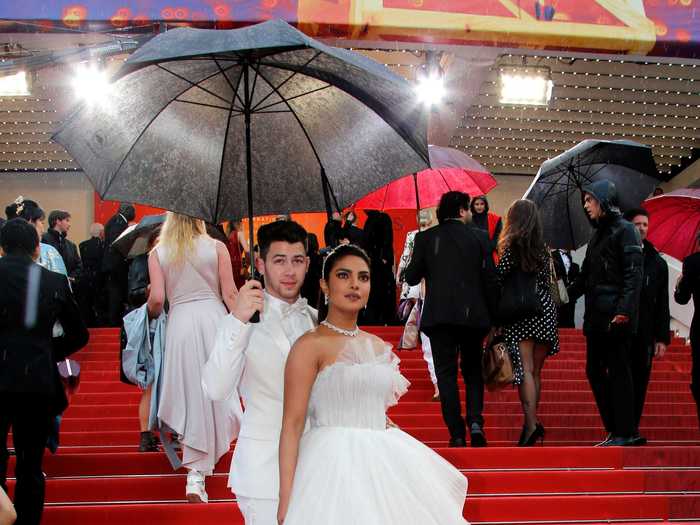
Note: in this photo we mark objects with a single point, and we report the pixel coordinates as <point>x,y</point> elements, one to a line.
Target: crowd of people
<point>473,279</point>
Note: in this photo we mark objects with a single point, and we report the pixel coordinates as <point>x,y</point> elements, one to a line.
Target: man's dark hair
<point>632,213</point>
<point>285,231</point>
<point>57,215</point>
<point>19,237</point>
<point>128,211</point>
<point>450,204</point>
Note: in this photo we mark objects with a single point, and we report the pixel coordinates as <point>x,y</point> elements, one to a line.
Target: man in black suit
<point>688,286</point>
<point>462,296</point>
<point>653,331</point>
<point>92,253</point>
<point>57,236</point>
<point>31,394</point>
<point>115,266</point>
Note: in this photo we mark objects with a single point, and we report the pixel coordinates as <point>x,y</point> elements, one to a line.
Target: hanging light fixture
<point>15,85</point>
<point>525,85</point>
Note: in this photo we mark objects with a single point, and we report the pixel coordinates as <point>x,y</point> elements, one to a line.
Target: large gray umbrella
<point>223,124</point>
<point>557,186</point>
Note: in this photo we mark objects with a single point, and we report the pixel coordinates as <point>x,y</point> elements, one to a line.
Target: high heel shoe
<point>540,426</point>
<point>530,440</point>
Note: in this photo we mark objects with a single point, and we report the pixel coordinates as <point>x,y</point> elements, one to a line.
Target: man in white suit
<point>249,359</point>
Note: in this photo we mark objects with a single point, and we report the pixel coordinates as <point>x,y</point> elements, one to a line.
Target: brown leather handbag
<point>496,366</point>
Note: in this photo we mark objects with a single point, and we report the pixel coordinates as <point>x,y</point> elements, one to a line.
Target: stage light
<point>430,89</point>
<point>530,86</point>
<point>16,85</point>
<point>90,83</point>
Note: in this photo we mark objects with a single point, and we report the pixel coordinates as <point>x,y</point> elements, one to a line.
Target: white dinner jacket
<point>248,360</point>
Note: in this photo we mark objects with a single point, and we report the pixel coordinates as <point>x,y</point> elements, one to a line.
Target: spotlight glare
<point>526,86</point>
<point>430,90</point>
<point>91,84</point>
<point>16,85</point>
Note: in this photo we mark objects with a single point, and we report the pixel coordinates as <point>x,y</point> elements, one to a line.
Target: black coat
<point>331,233</point>
<point>114,262</point>
<point>689,286</point>
<point>68,251</point>
<point>654,314</point>
<point>92,252</point>
<point>461,284</point>
<point>611,275</point>
<point>28,353</point>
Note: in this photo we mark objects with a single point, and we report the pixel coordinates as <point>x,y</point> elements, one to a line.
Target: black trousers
<point>456,347</point>
<point>695,374</point>
<point>116,297</point>
<point>641,360</point>
<point>610,376</point>
<point>29,417</point>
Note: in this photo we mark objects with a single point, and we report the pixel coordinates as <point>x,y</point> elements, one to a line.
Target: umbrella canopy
<point>134,240</point>
<point>450,170</point>
<point>222,124</point>
<point>557,187</point>
<point>674,222</point>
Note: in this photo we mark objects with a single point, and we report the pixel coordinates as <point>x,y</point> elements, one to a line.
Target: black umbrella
<point>134,240</point>
<point>557,186</point>
<point>224,124</point>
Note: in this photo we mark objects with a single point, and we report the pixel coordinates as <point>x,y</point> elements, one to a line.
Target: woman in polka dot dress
<point>529,340</point>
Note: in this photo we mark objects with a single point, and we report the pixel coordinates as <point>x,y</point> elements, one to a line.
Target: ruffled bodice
<point>356,390</point>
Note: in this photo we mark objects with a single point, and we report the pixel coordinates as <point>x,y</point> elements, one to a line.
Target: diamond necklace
<point>343,331</point>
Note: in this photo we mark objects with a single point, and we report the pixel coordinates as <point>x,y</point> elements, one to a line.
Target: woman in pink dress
<point>193,273</point>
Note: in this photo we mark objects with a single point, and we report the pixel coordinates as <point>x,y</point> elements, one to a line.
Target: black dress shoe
<point>639,441</point>
<point>457,443</point>
<point>602,443</point>
<point>619,442</point>
<point>478,439</point>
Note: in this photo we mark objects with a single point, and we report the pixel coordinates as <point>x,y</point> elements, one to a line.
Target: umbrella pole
<point>249,176</point>
<point>415,185</point>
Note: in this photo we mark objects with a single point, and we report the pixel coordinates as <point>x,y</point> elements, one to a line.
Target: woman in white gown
<point>353,467</point>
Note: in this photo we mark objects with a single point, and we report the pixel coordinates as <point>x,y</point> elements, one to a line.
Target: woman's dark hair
<point>28,210</point>
<point>19,237</point>
<point>344,250</point>
<point>312,244</point>
<point>20,210</point>
<point>128,211</point>
<point>450,204</point>
<point>523,234</point>
<point>481,198</point>
<point>285,231</point>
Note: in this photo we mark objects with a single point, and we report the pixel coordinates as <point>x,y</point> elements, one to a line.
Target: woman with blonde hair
<point>532,336</point>
<point>193,273</point>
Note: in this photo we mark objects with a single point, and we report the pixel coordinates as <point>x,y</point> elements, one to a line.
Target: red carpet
<point>98,477</point>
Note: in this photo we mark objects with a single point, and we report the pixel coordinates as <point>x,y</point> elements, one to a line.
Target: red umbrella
<point>674,221</point>
<point>451,170</point>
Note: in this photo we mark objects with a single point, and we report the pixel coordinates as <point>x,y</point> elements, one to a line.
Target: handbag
<point>556,286</point>
<point>519,299</point>
<point>496,366</point>
<point>69,370</point>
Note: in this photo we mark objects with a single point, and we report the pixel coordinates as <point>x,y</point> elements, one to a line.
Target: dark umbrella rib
<point>201,104</point>
<point>303,129</point>
<point>196,84</point>
<point>275,90</point>
<point>152,119</point>
<point>262,110</point>
<point>234,90</point>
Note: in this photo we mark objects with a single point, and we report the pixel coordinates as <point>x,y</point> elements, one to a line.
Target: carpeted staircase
<point>98,477</point>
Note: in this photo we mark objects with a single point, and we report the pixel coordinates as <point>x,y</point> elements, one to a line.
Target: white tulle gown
<point>352,470</point>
